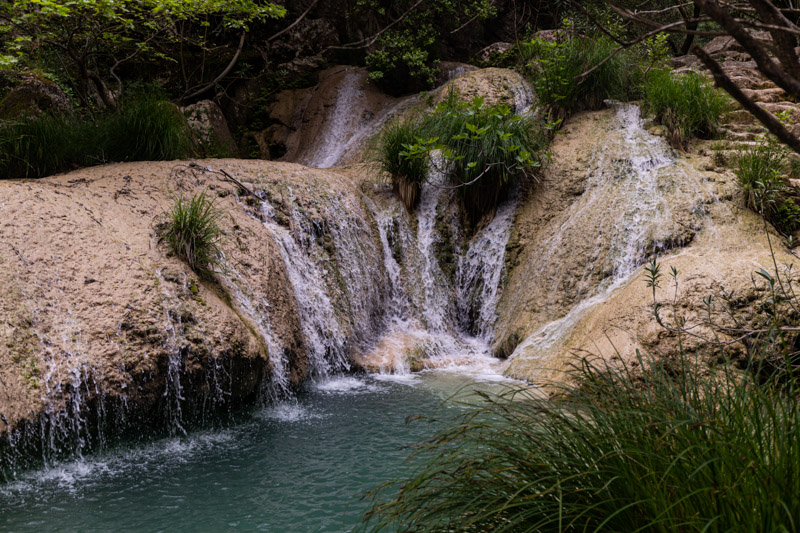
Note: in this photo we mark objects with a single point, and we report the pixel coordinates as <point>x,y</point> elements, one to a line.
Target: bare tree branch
<point>222,74</point>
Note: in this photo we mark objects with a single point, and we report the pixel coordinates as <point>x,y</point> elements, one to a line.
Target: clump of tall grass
<point>192,231</point>
<point>687,105</point>
<point>556,68</point>
<point>36,147</point>
<point>761,171</point>
<point>144,129</point>
<point>407,173</point>
<point>667,449</point>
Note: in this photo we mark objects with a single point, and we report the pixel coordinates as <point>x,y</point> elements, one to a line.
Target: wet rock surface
<point>613,198</point>
<point>99,316</point>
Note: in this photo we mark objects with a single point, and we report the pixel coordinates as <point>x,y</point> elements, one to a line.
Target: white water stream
<point>625,207</point>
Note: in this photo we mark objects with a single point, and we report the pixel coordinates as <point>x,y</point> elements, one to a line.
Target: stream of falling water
<point>626,208</point>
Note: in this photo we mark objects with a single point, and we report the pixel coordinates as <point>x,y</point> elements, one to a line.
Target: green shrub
<point>403,60</point>
<point>760,170</point>
<point>670,449</point>
<point>145,129</point>
<point>485,150</point>
<point>556,66</point>
<point>193,233</point>
<point>688,105</point>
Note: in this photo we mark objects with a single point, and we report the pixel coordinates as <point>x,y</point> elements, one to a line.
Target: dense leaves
<point>91,39</point>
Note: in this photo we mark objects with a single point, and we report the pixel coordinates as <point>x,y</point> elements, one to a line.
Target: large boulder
<point>34,95</point>
<point>210,129</point>
<point>495,85</point>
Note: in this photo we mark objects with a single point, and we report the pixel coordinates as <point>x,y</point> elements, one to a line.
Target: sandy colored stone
<point>714,243</point>
<point>90,293</point>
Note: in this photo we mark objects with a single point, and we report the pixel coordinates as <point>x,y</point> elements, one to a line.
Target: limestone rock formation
<point>210,128</point>
<point>101,320</point>
<point>573,288</point>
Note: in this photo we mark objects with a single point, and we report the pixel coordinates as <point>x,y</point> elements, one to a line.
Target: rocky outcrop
<point>497,86</point>
<point>573,286</point>
<point>104,330</point>
<point>210,129</point>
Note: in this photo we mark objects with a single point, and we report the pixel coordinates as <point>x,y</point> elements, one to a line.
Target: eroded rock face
<point>575,288</point>
<point>104,327</point>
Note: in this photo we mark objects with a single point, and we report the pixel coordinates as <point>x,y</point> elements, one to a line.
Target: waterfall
<point>523,95</point>
<point>437,295</point>
<point>334,268</point>
<point>479,274</point>
<point>341,125</point>
<point>173,390</point>
<point>624,208</point>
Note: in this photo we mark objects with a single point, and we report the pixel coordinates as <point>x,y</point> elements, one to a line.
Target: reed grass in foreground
<point>670,451</point>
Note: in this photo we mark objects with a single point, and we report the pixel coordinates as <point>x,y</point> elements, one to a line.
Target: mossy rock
<point>33,96</point>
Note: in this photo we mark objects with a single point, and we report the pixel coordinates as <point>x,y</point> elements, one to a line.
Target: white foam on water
<point>289,411</point>
<point>345,385</point>
<point>75,475</point>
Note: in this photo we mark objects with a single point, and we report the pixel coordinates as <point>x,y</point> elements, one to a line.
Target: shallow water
<point>300,465</point>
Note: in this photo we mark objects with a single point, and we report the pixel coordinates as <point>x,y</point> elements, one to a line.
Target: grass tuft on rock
<point>556,67</point>
<point>687,105</point>
<point>761,170</point>
<point>192,232</point>
<point>407,173</point>
<point>666,449</point>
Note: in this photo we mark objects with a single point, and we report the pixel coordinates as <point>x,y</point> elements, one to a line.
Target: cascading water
<point>333,265</point>
<point>436,309</point>
<point>479,274</point>
<point>173,390</point>
<point>523,95</point>
<point>342,124</point>
<point>439,320</point>
<point>624,206</point>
